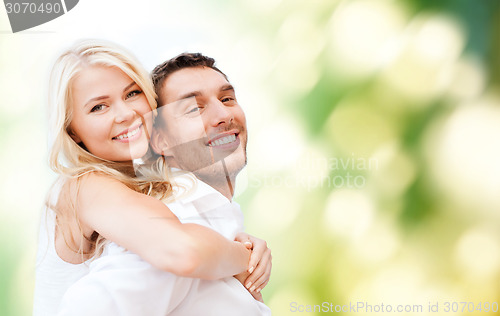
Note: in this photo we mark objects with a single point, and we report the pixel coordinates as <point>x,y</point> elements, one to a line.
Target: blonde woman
<point>100,105</point>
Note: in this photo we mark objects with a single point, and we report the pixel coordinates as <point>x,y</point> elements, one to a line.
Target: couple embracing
<point>141,220</point>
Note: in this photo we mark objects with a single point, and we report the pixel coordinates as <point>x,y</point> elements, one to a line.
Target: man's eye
<point>98,107</point>
<point>133,93</point>
<point>193,110</point>
<point>228,99</point>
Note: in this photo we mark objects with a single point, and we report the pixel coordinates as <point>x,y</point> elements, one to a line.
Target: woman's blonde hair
<point>68,158</point>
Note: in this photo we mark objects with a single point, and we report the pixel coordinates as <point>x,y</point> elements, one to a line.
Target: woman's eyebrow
<point>129,86</point>
<point>102,97</point>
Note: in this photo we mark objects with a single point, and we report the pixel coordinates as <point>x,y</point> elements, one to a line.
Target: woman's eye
<point>133,93</point>
<point>98,107</point>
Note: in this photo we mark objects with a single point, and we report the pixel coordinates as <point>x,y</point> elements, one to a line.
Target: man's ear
<point>74,136</point>
<point>159,144</point>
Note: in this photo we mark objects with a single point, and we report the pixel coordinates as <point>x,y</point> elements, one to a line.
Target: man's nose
<point>123,112</point>
<point>219,113</point>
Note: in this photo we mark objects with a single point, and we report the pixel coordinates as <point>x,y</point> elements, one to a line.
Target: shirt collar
<point>188,188</point>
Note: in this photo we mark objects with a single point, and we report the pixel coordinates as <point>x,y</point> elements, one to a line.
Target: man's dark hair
<point>184,60</point>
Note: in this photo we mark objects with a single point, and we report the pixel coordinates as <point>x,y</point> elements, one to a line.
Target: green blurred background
<point>374,153</point>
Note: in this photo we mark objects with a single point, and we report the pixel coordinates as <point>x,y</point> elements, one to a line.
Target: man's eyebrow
<point>189,95</point>
<point>103,97</point>
<point>227,87</point>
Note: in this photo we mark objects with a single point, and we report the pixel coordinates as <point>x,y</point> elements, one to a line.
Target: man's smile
<point>226,139</point>
<point>222,141</point>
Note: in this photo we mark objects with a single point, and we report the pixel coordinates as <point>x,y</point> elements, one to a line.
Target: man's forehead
<point>193,80</point>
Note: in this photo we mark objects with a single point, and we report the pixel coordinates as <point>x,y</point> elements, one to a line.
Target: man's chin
<point>230,166</point>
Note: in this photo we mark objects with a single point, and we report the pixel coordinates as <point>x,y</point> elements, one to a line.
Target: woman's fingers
<point>260,263</point>
<point>263,284</point>
<point>258,250</point>
<point>257,296</point>
<point>244,238</point>
<point>261,274</point>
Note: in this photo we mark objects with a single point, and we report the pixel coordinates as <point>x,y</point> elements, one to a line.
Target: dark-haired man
<point>201,127</point>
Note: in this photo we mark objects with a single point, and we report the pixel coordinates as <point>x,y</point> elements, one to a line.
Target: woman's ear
<point>159,144</point>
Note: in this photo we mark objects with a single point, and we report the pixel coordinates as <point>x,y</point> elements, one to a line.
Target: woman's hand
<point>259,268</point>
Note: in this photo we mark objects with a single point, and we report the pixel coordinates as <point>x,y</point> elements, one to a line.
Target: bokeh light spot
<point>477,253</point>
<point>348,213</point>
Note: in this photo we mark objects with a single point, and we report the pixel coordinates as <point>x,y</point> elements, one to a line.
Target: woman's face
<point>111,115</point>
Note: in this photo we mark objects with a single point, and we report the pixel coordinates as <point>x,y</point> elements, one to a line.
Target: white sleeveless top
<point>53,275</point>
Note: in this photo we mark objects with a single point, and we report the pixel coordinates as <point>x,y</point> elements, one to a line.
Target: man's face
<point>202,124</point>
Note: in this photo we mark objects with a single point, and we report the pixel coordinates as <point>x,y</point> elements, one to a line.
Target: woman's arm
<point>145,226</point>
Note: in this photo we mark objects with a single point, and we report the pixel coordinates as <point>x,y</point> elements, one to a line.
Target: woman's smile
<point>129,135</point>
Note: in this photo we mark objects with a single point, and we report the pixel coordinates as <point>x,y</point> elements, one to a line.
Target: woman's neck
<point>125,167</point>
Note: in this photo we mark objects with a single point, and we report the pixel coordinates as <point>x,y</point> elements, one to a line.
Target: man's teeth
<point>224,140</point>
<point>129,134</point>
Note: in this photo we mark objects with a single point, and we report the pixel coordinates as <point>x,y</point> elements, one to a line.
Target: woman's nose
<point>123,112</point>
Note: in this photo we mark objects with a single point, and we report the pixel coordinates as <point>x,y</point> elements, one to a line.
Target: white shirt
<point>121,283</point>
<point>53,275</point>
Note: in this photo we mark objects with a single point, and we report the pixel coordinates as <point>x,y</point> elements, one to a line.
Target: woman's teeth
<point>127,135</point>
<point>222,141</point>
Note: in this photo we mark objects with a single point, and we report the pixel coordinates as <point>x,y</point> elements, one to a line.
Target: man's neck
<point>225,185</point>
<point>220,181</point>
